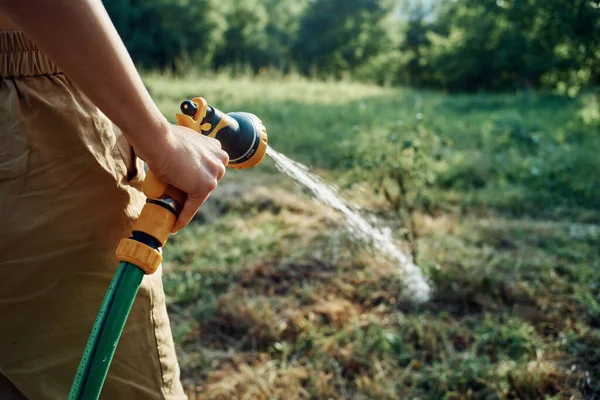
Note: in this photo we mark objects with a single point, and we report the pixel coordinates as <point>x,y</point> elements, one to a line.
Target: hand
<point>191,162</point>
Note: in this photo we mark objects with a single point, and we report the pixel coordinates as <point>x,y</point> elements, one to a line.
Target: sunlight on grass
<point>270,298</point>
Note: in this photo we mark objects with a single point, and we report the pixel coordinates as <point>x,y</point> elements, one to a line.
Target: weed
<point>270,299</point>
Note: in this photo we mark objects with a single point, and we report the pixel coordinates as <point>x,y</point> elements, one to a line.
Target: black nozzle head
<point>189,108</point>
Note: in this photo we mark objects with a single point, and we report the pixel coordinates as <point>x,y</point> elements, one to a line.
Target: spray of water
<point>412,278</point>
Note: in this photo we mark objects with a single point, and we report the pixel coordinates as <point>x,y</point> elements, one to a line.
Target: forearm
<point>80,38</point>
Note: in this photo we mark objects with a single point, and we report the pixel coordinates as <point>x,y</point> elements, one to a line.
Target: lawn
<point>270,297</point>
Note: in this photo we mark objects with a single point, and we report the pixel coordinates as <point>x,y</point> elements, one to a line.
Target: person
<point>75,123</point>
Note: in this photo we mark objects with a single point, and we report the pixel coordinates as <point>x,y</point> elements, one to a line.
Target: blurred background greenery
<point>453,45</point>
<point>468,128</point>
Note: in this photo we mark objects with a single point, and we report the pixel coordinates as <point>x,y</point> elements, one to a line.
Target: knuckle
<point>220,172</point>
<point>212,184</point>
<point>217,143</point>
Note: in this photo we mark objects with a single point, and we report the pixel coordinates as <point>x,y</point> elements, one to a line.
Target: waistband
<point>19,57</point>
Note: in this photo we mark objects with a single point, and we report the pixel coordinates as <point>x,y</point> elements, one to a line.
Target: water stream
<point>411,276</point>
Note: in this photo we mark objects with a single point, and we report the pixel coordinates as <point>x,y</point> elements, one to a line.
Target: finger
<point>216,142</point>
<point>190,208</point>
<point>193,203</point>
<point>220,172</point>
<point>224,157</point>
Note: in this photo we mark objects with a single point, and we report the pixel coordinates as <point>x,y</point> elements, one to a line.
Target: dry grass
<point>271,299</point>
<point>319,324</point>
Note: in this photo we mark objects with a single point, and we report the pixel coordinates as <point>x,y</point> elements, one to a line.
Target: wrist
<point>149,139</point>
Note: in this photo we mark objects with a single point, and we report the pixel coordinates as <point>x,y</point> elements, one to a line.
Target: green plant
<point>266,293</point>
<point>404,168</point>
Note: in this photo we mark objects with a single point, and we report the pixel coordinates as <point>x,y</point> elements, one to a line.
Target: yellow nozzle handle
<point>157,220</point>
<point>243,137</point>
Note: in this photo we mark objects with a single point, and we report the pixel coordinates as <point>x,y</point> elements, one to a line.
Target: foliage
<point>207,33</point>
<point>336,36</point>
<point>404,168</point>
<point>456,45</point>
<point>508,44</point>
<point>158,33</point>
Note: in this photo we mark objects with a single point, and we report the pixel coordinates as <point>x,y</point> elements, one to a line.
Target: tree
<point>508,44</point>
<point>282,27</point>
<point>337,35</point>
<point>454,45</point>
<point>158,32</point>
<point>245,38</point>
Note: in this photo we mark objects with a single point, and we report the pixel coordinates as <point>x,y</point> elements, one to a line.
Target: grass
<point>270,298</point>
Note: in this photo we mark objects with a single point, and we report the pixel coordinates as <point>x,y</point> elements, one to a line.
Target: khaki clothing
<point>70,186</point>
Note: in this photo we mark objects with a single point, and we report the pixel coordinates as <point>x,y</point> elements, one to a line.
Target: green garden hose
<point>106,332</point>
<point>244,138</point>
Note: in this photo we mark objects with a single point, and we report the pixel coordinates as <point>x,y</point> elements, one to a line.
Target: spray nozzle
<point>242,135</point>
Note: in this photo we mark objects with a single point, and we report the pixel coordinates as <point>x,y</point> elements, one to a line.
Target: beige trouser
<point>69,190</point>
